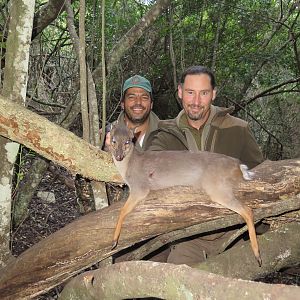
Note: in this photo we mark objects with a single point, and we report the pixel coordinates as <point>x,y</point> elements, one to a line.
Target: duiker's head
<point>121,141</point>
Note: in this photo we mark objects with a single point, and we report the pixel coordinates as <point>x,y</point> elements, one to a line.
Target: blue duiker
<point>216,174</point>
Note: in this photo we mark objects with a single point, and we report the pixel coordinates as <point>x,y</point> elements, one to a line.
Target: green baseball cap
<point>137,81</point>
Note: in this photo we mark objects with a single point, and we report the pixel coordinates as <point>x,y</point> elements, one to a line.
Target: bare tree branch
<point>265,93</point>
<point>46,15</point>
<point>39,134</point>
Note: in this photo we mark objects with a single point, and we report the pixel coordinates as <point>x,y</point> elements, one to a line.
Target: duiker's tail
<point>247,174</point>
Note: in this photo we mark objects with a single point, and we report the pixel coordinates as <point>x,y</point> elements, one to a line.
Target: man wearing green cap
<point>136,103</point>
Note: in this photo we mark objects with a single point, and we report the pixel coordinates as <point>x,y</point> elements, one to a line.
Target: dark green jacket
<point>153,125</point>
<point>222,133</point>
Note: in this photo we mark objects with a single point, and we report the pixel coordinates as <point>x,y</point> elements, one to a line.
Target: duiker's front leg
<point>134,198</point>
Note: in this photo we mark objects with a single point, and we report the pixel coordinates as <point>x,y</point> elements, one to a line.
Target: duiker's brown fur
<point>215,173</point>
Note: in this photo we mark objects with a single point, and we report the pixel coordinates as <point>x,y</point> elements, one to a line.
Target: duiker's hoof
<point>114,245</point>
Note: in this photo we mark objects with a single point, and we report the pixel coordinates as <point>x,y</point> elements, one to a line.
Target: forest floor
<point>55,204</point>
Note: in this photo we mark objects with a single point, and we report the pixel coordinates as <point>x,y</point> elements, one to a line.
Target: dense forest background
<point>252,46</point>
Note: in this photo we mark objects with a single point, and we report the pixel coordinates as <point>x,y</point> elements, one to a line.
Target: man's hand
<point>107,142</point>
<point>106,146</point>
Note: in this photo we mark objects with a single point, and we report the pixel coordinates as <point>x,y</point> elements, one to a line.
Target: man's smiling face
<point>137,105</point>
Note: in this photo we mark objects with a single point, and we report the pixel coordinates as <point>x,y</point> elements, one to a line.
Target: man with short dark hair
<point>137,103</point>
<point>203,126</point>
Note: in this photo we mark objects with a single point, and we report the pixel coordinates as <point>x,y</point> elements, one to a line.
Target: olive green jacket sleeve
<point>251,154</point>
<point>225,134</point>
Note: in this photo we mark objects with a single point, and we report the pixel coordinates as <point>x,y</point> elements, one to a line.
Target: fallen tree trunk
<point>88,239</point>
<point>42,136</point>
<point>168,281</point>
<point>154,244</point>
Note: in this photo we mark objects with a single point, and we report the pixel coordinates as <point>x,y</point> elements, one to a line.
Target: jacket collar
<point>189,141</point>
<point>215,111</point>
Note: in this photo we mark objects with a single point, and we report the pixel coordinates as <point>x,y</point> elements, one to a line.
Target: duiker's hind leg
<point>225,197</point>
<point>132,201</point>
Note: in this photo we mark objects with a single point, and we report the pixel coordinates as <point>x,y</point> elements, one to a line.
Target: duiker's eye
<point>113,141</point>
<point>127,142</point>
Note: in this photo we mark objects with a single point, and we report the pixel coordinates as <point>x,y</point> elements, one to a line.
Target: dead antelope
<point>215,173</point>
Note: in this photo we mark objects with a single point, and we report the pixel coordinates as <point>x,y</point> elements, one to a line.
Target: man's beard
<point>137,119</point>
<point>199,115</point>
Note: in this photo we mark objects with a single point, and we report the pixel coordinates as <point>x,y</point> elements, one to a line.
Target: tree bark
<point>168,281</point>
<point>82,73</point>
<point>46,15</point>
<point>88,239</point>
<point>98,197</point>
<point>14,88</point>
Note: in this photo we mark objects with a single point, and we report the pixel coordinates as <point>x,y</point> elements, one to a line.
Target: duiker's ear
<point>114,125</point>
<point>131,132</point>
<point>108,128</point>
<point>134,129</point>
<point>135,134</point>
